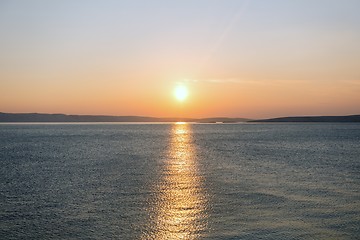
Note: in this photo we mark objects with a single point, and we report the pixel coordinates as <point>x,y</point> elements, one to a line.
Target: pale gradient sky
<point>249,59</point>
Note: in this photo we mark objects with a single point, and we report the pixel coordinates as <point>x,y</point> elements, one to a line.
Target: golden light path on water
<point>180,207</point>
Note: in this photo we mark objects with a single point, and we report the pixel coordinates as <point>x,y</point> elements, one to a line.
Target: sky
<point>244,58</point>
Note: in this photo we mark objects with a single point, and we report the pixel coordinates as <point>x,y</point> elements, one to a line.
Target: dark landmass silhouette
<point>43,117</point>
<point>349,118</point>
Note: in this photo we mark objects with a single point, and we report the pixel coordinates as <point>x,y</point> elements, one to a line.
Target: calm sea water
<point>180,181</point>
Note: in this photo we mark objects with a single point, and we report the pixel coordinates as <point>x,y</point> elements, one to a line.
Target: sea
<point>180,181</point>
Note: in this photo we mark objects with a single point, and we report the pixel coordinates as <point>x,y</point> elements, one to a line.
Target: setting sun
<point>181,93</point>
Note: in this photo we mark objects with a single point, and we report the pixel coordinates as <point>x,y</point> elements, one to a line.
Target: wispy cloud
<point>263,81</point>
<point>213,80</point>
<point>233,80</point>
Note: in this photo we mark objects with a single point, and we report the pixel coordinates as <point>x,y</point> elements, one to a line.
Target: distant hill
<point>350,118</point>
<point>43,117</point>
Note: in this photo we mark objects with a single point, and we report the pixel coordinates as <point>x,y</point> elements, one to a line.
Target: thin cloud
<point>215,80</point>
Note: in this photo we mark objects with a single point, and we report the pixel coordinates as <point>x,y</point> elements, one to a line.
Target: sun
<point>181,92</point>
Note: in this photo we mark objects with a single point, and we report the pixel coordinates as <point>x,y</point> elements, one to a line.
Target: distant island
<point>44,117</point>
<point>350,118</point>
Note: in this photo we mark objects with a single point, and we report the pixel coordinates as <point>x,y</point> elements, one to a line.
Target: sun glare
<point>181,92</point>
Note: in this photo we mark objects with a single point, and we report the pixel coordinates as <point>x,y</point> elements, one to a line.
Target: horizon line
<point>188,118</point>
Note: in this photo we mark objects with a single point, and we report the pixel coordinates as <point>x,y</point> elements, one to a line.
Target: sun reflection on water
<point>180,207</point>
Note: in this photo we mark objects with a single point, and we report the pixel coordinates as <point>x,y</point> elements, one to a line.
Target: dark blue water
<point>180,181</point>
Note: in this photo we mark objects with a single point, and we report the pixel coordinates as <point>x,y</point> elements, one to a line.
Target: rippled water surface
<point>180,181</point>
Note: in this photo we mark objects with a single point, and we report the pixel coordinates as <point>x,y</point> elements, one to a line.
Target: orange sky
<point>247,59</point>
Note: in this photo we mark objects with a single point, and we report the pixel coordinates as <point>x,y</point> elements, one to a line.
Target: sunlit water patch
<point>180,204</point>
